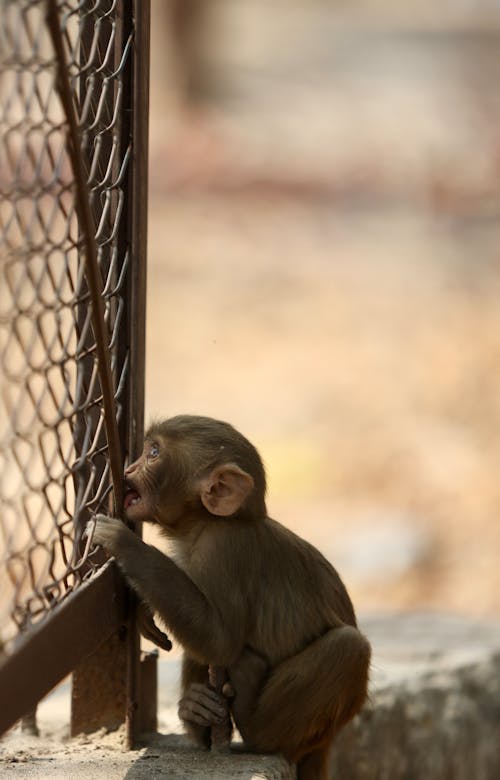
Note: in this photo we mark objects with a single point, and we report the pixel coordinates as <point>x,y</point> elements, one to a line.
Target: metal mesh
<point>54,465</point>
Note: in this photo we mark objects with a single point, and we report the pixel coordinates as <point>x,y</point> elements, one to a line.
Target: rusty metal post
<point>141,713</point>
<point>98,693</point>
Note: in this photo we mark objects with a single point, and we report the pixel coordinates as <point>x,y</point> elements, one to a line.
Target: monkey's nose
<point>130,470</point>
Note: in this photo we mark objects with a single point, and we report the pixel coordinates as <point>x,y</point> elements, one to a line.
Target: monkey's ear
<point>225,489</point>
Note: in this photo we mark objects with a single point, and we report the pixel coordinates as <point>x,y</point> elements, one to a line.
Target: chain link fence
<point>54,452</point>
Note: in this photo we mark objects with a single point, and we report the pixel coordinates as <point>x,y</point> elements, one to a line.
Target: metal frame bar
<point>50,650</point>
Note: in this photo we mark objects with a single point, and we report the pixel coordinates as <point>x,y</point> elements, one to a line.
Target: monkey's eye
<point>154,451</point>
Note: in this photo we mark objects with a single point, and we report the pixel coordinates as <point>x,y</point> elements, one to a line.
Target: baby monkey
<point>242,592</point>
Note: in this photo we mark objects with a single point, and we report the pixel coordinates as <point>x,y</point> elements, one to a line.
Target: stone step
<point>435,702</point>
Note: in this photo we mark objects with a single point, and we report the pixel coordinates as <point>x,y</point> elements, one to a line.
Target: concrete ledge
<point>171,756</point>
<point>435,704</point>
<point>100,756</point>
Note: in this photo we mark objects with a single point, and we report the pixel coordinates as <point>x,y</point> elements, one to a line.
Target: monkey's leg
<point>308,698</point>
<point>200,707</point>
<point>246,679</point>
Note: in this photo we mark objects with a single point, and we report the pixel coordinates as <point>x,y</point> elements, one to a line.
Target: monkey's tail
<point>311,695</point>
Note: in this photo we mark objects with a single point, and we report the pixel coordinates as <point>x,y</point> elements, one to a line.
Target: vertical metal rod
<point>94,280</point>
<point>139,12</point>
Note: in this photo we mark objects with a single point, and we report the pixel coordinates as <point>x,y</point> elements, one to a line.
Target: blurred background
<point>324,272</point>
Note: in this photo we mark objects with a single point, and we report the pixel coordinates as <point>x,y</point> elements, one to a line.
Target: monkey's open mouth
<point>132,498</point>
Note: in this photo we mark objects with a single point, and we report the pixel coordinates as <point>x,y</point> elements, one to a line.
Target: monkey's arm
<point>167,590</point>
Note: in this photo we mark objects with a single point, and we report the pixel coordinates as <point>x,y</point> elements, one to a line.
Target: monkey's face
<point>141,484</point>
<point>191,467</point>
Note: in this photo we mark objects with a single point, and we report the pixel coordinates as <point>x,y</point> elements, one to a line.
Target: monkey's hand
<point>150,630</point>
<point>109,532</point>
<point>203,706</point>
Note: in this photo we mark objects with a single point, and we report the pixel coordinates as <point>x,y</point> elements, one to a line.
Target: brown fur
<point>243,592</point>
